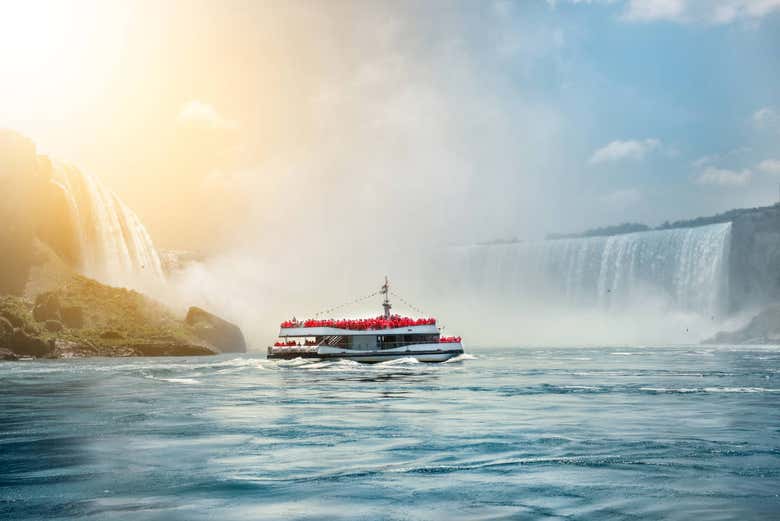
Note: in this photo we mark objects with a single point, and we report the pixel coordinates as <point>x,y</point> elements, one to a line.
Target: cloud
<point>623,198</point>
<point>765,116</point>
<point>702,11</point>
<point>554,3</point>
<point>770,166</point>
<point>723,177</point>
<point>202,115</point>
<point>620,150</point>
<point>704,161</point>
<point>649,10</point>
<point>715,158</point>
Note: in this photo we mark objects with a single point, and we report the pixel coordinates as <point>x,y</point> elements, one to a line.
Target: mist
<point>302,152</point>
<point>407,146</point>
<point>411,142</point>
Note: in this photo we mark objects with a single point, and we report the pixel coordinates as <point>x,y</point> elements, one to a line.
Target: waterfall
<point>114,245</point>
<point>687,268</point>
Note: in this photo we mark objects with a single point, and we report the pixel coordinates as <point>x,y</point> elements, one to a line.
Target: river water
<point>525,433</point>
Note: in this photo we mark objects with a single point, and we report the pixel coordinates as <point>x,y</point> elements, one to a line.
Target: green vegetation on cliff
<point>86,318</point>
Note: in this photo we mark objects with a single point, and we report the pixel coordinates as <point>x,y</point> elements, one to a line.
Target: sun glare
<point>51,50</point>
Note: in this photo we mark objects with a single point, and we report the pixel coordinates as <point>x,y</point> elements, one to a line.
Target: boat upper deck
<point>389,325</point>
<point>427,329</point>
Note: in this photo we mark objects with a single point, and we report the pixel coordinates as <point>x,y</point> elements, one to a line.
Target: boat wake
<point>406,360</point>
<point>187,381</point>
<point>460,358</point>
<point>314,364</point>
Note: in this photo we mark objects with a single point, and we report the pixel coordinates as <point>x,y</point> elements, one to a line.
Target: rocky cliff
<point>23,180</point>
<point>753,274</point>
<point>57,225</point>
<point>754,258</point>
<point>220,333</point>
<point>64,314</point>
<point>73,213</point>
<point>764,328</point>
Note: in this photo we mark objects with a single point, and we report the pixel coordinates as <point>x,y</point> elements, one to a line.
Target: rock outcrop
<point>54,326</point>
<point>754,258</point>
<point>764,328</point>
<point>220,333</point>
<point>11,317</point>
<point>47,307</point>
<point>6,328</point>
<point>72,317</point>
<point>7,354</point>
<point>25,344</point>
<point>108,322</point>
<point>56,222</point>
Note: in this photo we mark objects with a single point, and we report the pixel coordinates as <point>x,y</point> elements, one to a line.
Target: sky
<point>261,125</point>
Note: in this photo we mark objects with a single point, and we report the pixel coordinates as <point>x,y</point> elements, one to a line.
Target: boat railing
<point>362,324</point>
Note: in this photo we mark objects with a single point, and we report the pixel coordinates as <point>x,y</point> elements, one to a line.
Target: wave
<point>460,358</point>
<point>293,362</point>
<point>684,390</point>
<point>315,363</point>
<point>187,381</point>
<point>406,360</point>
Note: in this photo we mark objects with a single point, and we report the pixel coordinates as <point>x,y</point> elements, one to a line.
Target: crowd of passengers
<point>310,343</point>
<point>362,324</point>
<point>449,340</point>
<point>293,343</point>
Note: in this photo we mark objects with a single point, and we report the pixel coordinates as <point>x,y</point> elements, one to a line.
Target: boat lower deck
<point>423,353</point>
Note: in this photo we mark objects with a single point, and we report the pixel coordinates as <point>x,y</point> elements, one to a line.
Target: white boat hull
<point>438,352</point>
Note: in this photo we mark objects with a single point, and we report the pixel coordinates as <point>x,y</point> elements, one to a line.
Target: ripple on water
<point>507,434</point>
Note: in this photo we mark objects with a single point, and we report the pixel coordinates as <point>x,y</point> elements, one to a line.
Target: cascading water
<point>114,245</point>
<point>687,268</point>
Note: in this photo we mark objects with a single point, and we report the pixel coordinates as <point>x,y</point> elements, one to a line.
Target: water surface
<point>585,433</point>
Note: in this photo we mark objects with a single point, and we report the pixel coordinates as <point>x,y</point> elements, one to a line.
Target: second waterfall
<point>687,268</point>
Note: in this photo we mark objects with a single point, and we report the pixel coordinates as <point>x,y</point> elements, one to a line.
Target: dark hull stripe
<point>289,356</point>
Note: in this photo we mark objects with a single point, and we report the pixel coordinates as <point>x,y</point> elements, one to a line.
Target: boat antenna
<point>386,303</point>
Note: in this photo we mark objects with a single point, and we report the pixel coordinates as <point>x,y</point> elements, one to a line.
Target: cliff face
<point>57,225</point>
<point>32,206</point>
<point>764,328</point>
<point>219,333</point>
<point>754,258</point>
<point>85,318</point>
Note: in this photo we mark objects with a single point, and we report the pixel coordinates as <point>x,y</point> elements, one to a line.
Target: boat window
<point>332,341</point>
<point>393,341</point>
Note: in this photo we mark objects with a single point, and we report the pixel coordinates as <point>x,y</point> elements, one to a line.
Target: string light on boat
<point>411,306</point>
<point>382,322</point>
<point>345,304</point>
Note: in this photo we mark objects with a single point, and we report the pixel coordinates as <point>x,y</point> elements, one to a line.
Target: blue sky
<point>461,120</point>
<point>687,93</point>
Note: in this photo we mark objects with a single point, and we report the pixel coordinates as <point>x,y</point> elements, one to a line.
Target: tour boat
<point>386,337</point>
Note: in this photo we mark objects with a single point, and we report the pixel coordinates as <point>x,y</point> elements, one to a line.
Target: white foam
<point>461,358</point>
<point>406,360</point>
<point>682,390</point>
<point>740,390</point>
<point>188,381</point>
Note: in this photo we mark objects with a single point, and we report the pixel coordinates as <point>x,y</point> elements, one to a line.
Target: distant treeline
<point>639,227</point>
<point>617,229</point>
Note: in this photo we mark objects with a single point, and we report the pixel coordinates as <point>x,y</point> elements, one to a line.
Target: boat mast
<point>386,303</point>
